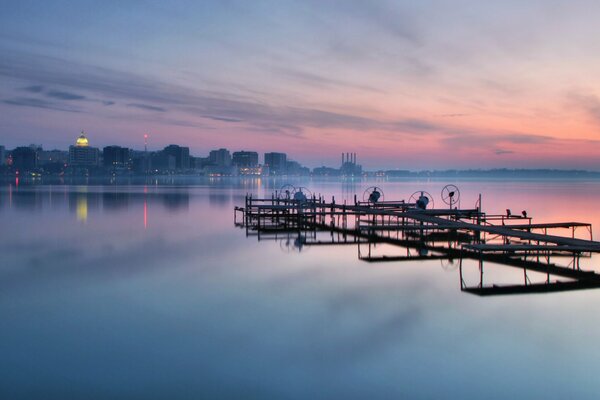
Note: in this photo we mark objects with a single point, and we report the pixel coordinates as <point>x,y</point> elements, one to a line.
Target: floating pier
<point>451,234</point>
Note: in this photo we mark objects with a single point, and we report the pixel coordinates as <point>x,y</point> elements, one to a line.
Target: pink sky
<point>417,86</point>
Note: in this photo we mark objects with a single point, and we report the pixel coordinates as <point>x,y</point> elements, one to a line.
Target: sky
<point>404,84</point>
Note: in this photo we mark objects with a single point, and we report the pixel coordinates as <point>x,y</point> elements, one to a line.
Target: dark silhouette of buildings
<point>181,155</point>
<point>220,158</point>
<point>245,159</point>
<point>349,166</point>
<point>161,161</point>
<point>24,159</point>
<point>116,157</point>
<point>277,163</point>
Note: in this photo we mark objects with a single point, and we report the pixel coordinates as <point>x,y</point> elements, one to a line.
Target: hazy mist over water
<point>151,292</point>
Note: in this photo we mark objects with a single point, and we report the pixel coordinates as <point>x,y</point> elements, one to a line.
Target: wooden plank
<point>526,247</point>
<point>548,225</point>
<point>532,288</point>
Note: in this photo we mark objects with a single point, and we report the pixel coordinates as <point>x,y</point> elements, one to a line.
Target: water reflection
<point>158,296</point>
<point>83,201</point>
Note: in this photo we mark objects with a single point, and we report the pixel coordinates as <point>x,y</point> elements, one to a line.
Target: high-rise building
<point>24,159</point>
<point>116,157</point>
<point>82,154</point>
<point>277,163</point>
<point>181,155</point>
<point>161,161</point>
<point>2,155</point>
<point>245,159</point>
<point>220,158</point>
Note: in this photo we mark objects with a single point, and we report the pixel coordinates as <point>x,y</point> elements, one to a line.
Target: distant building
<point>220,158</point>
<point>82,154</point>
<point>201,162</point>
<point>292,167</point>
<point>161,161</point>
<point>24,159</point>
<point>140,161</point>
<point>326,171</point>
<point>116,157</point>
<point>349,166</point>
<point>52,156</point>
<point>2,155</point>
<point>181,155</point>
<point>245,159</point>
<point>277,163</point>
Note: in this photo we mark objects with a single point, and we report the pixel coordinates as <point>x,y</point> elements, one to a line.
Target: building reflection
<point>82,208</point>
<point>115,200</point>
<point>83,202</point>
<point>176,201</point>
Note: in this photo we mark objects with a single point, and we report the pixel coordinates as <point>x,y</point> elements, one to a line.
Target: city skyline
<point>421,86</point>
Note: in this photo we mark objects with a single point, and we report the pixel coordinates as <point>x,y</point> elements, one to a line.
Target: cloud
<point>494,139</point>
<point>147,107</point>
<point>57,94</point>
<point>500,152</point>
<point>590,103</point>
<point>454,115</point>
<point>319,81</point>
<point>224,119</point>
<point>38,103</point>
<point>157,96</point>
<point>34,89</point>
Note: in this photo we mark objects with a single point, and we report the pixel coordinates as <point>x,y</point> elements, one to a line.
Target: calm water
<point>151,292</point>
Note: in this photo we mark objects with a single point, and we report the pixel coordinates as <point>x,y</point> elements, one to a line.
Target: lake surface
<point>151,292</point>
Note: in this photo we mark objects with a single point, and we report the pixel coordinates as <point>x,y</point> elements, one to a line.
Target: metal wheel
<point>302,194</point>
<point>286,192</point>
<point>450,195</point>
<point>373,194</point>
<point>421,199</point>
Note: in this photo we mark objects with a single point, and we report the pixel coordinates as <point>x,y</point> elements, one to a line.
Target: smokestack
<point>342,158</point>
<point>354,158</point>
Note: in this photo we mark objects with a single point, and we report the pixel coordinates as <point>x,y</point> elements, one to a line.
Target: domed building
<point>82,154</point>
<point>82,141</point>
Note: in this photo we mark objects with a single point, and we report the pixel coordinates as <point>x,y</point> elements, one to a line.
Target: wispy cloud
<point>589,103</point>
<point>147,107</point>
<point>151,95</point>
<point>33,89</point>
<point>466,139</point>
<point>455,115</point>
<point>57,94</point>
<point>500,152</point>
<point>38,103</point>
<point>223,119</point>
<point>320,81</point>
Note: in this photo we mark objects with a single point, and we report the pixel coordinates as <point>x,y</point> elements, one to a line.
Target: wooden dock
<point>431,234</point>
